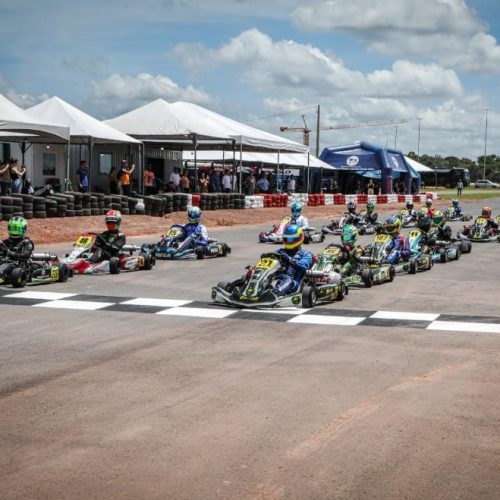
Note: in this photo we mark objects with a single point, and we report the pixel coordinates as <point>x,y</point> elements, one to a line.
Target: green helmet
<point>370,207</point>
<point>438,218</point>
<point>17,226</point>
<point>349,235</point>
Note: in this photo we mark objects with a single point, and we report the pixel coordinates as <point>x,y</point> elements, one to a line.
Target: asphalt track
<point>122,404</point>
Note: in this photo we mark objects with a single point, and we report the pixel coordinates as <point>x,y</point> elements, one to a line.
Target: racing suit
<point>294,265</point>
<point>457,212</point>
<point>14,251</point>
<point>197,235</point>
<point>370,218</point>
<point>301,221</point>
<point>351,256</point>
<point>111,245</point>
<point>398,249</point>
<point>352,218</point>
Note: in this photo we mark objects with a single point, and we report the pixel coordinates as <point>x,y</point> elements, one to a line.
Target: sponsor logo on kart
<point>296,300</point>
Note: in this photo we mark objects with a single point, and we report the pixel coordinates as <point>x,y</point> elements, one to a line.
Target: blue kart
<point>176,244</point>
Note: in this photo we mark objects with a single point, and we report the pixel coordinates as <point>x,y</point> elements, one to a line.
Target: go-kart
<point>337,225</point>
<point>450,215</point>
<point>170,246</point>
<point>87,257</point>
<point>478,232</point>
<point>419,260</point>
<point>255,288</point>
<point>40,269</point>
<point>311,234</point>
<point>365,227</point>
<point>407,219</point>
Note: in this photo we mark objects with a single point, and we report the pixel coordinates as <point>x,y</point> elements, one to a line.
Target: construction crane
<point>306,130</point>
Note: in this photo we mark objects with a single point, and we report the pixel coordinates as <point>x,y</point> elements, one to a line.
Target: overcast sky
<point>252,60</point>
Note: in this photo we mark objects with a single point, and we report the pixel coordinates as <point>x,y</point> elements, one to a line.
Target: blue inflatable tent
<point>369,160</point>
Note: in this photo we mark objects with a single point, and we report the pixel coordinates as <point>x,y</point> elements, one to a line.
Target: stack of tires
<point>169,202</point>
<point>39,207</point>
<point>78,197</point>
<point>132,204</point>
<point>7,203</point>
<point>238,200</point>
<point>26,201</point>
<point>154,206</point>
<point>87,203</point>
<point>70,204</point>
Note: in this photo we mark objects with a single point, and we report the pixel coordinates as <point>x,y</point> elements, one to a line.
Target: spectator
<point>113,181</point>
<point>334,187</point>
<point>370,187</point>
<point>203,182</point>
<point>175,178</point>
<point>263,183</point>
<point>226,182</point>
<point>82,177</point>
<point>291,185</point>
<point>149,180</point>
<point>185,183</point>
<point>214,180</point>
<point>5,179</point>
<point>125,176</point>
<point>250,184</point>
<point>460,186</point>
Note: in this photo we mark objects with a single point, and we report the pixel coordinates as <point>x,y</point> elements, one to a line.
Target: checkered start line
<point>194,309</point>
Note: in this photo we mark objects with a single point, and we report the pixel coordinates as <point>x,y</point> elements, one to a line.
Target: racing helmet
<point>424,222</point>
<point>17,226</point>
<point>409,205</point>
<point>296,209</point>
<point>293,236</point>
<point>486,212</point>
<point>194,215</point>
<point>370,207</point>
<point>438,218</point>
<point>455,203</point>
<point>392,225</point>
<point>349,235</point>
<point>428,203</point>
<point>113,220</point>
<point>351,206</point>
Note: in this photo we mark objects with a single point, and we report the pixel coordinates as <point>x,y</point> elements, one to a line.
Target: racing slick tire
<point>225,250</point>
<point>412,266</point>
<point>367,278</point>
<point>307,239</point>
<point>342,292</point>
<point>309,297</point>
<point>64,273</point>
<point>114,265</point>
<point>17,278</point>
<point>465,246</point>
<point>322,237</point>
<point>200,252</point>
<point>392,273</point>
<point>442,255</point>
<point>224,285</point>
<point>148,261</point>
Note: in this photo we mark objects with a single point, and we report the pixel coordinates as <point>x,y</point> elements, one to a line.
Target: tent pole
<point>195,143</point>
<point>90,146</point>
<point>241,165</point>
<point>278,168</point>
<point>66,181</point>
<point>308,173</point>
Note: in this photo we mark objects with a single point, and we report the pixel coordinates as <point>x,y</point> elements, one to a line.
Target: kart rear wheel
<point>412,266</point>
<point>17,278</point>
<point>114,265</point>
<point>308,297</point>
<point>322,237</point>
<point>442,255</point>
<point>367,277</point>
<point>342,292</point>
<point>392,273</point>
<point>200,252</point>
<point>148,261</point>
<point>465,246</point>
<point>64,273</point>
<point>224,250</point>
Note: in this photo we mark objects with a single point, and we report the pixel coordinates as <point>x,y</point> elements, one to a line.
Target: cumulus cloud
<point>447,31</point>
<point>120,93</point>
<point>19,99</point>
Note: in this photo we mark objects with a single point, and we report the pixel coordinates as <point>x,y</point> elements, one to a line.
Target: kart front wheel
<point>200,252</point>
<point>465,246</point>
<point>148,261</point>
<point>308,297</point>
<point>442,256</point>
<point>114,265</point>
<point>412,266</point>
<point>342,292</point>
<point>64,273</point>
<point>367,277</point>
<point>17,278</point>
<point>391,273</point>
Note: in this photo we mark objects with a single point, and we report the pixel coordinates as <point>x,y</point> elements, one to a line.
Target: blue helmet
<point>296,209</point>
<point>454,203</point>
<point>194,215</point>
<point>293,236</point>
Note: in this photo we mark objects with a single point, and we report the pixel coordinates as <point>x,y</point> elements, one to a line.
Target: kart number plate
<point>480,220</point>
<point>172,233</point>
<point>414,234</point>
<point>265,263</point>
<point>381,238</point>
<point>84,241</point>
<point>332,251</point>
<point>54,273</point>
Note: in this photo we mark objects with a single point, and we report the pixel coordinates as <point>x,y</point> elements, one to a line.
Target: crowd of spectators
<point>12,177</point>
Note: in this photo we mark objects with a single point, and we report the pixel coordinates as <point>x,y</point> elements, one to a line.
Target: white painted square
<point>316,319</point>
<point>75,304</point>
<point>464,326</point>
<point>410,316</point>
<point>197,312</point>
<point>40,295</point>
<point>156,302</point>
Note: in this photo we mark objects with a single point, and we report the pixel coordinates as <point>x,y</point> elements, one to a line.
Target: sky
<point>270,63</point>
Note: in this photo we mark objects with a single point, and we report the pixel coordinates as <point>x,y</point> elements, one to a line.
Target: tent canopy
<point>417,166</point>
<point>16,124</point>
<point>183,121</point>
<point>82,126</point>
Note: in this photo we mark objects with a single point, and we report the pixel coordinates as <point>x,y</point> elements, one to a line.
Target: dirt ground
<point>62,230</point>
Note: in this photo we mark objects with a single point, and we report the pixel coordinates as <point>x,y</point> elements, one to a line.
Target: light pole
<point>396,138</point>
<point>418,140</point>
<point>485,140</point>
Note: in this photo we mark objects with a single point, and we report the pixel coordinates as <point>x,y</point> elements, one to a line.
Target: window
<point>49,164</point>
<point>105,163</point>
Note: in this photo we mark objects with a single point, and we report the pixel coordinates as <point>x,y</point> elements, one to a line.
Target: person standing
<point>82,177</point>
<point>226,182</point>
<point>125,176</point>
<point>250,184</point>
<point>291,185</point>
<point>203,182</point>
<point>5,179</point>
<point>16,176</point>
<point>460,186</point>
<point>113,181</point>
<point>263,183</point>
<point>175,178</point>
<point>185,182</point>
<point>149,180</point>
<point>214,180</point>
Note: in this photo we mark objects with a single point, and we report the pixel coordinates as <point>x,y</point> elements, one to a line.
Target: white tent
<point>17,124</point>
<point>288,159</point>
<point>184,123</point>
<point>82,126</point>
<point>417,166</point>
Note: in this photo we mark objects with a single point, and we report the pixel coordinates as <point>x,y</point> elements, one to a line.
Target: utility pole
<point>485,141</point>
<point>317,131</point>
<point>396,138</point>
<point>418,141</point>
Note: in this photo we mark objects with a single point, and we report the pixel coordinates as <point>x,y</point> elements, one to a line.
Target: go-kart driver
<point>297,217</point>
<point>457,209</point>
<point>17,247</point>
<point>492,225</point>
<point>112,240</point>
<point>439,231</point>
<point>294,261</point>
<point>371,216</point>
<point>351,251</point>
<point>353,216</point>
<point>196,233</point>
<point>430,208</point>
<point>399,248</point>
<point>411,210</point>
